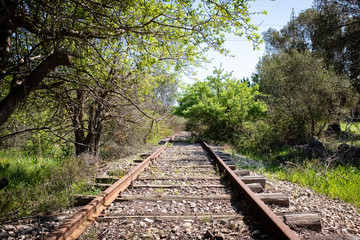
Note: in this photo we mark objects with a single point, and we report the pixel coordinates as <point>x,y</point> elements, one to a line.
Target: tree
<point>221,105</point>
<point>344,17</point>
<point>330,30</point>
<point>297,34</point>
<point>303,95</point>
<point>38,36</point>
<point>90,54</point>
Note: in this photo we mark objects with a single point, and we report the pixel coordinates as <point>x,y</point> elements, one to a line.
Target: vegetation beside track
<point>339,181</point>
<point>332,174</point>
<point>336,182</point>
<point>44,181</point>
<point>37,184</point>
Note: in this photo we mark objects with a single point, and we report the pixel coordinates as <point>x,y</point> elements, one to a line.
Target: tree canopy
<point>92,59</point>
<point>330,29</point>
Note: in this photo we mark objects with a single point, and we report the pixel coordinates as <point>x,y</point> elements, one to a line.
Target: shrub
<point>303,94</point>
<point>221,106</point>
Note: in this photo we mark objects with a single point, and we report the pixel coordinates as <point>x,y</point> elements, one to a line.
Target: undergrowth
<point>160,133</point>
<point>37,185</point>
<point>336,182</point>
<point>333,176</point>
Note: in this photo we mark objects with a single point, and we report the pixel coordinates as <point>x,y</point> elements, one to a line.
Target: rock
<point>124,236</point>
<point>208,235</point>
<point>175,229</point>
<point>313,148</point>
<point>9,227</point>
<point>219,236</point>
<point>223,222</point>
<point>256,233</point>
<point>146,236</point>
<point>333,237</point>
<point>232,226</point>
<point>3,235</point>
<point>26,230</point>
<point>187,225</point>
<point>60,218</point>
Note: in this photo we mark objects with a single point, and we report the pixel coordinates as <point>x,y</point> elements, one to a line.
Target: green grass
<point>36,185</point>
<point>83,188</point>
<point>338,182</point>
<point>353,127</point>
<point>160,133</point>
<point>350,134</point>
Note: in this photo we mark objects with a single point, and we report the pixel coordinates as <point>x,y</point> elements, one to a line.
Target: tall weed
<point>337,182</point>
<point>36,184</point>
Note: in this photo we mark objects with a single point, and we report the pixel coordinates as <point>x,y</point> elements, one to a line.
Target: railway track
<point>188,191</point>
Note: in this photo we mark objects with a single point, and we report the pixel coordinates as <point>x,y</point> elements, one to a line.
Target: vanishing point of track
<point>190,188</point>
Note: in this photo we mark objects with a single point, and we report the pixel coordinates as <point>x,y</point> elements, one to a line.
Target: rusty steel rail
<point>262,212</point>
<point>74,226</point>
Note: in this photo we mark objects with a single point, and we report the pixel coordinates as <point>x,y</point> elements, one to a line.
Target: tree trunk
<point>90,145</point>
<point>18,93</point>
<point>87,140</point>
<point>80,144</point>
<point>6,14</point>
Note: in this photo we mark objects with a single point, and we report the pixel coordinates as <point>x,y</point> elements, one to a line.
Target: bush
<point>221,106</point>
<point>303,94</point>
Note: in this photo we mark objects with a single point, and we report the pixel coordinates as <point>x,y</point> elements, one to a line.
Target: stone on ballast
<point>256,233</point>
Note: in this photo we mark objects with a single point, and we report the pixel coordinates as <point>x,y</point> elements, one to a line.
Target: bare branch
<point>2,138</point>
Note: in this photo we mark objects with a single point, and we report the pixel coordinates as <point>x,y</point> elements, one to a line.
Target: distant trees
<point>329,30</point>
<point>311,69</point>
<point>221,106</point>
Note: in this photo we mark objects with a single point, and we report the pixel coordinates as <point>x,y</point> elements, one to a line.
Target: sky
<point>245,60</point>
